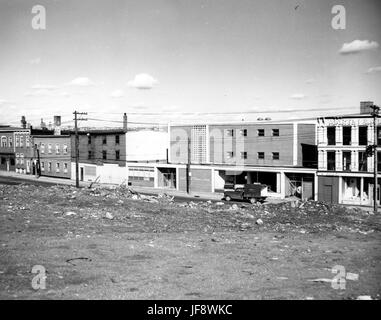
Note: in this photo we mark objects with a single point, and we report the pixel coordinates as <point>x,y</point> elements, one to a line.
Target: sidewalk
<point>148,190</point>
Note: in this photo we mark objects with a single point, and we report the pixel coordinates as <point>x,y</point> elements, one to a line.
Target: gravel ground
<point>113,244</point>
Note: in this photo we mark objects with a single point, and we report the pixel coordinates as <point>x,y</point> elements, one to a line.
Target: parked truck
<point>249,192</point>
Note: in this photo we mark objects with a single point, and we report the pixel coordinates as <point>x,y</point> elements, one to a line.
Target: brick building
<point>54,155</point>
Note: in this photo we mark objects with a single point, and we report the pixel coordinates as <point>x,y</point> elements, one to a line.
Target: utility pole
<point>375,112</point>
<point>77,145</point>
<point>188,172</point>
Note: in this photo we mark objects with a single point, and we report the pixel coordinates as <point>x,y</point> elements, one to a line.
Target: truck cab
<point>255,192</point>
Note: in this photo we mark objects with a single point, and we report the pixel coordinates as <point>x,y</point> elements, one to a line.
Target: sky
<point>175,60</point>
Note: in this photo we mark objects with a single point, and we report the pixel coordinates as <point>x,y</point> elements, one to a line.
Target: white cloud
<point>35,61</point>
<point>374,69</point>
<point>357,46</point>
<point>297,96</point>
<point>81,81</point>
<point>43,87</point>
<point>117,94</point>
<point>142,81</point>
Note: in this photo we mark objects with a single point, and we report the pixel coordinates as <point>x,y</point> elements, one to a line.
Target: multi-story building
<point>54,155</point>
<point>345,169</point>
<point>282,155</point>
<point>17,150</point>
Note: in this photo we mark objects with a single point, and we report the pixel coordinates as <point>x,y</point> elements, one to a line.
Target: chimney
<point>42,124</point>
<point>125,122</point>
<point>23,122</point>
<point>57,125</point>
<point>365,107</point>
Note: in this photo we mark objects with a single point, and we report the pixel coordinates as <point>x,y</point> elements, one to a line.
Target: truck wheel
<point>253,200</point>
<point>227,198</point>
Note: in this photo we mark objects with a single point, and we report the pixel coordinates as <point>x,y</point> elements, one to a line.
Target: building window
<point>42,147</point>
<point>275,132</point>
<point>331,136</point>
<point>88,139</point>
<point>229,132</point>
<point>331,160</point>
<point>17,140</point>
<point>347,136</point>
<point>27,141</point>
<point>117,139</point>
<point>244,155</point>
<point>3,160</point>
<point>104,155</point>
<point>17,158</point>
<point>57,167</point>
<point>42,166</point>
<point>49,166</point>
<point>49,148</point>
<point>65,167</point>
<point>12,161</point>
<point>378,161</point>
<point>363,135</point>
<point>65,148</point>
<point>4,142</point>
<point>347,160</point>
<point>10,142</point>
<point>261,132</point>
<point>117,155</point>
<point>378,136</point>
<point>261,155</point>
<point>104,140</point>
<point>275,155</point>
<point>229,154</point>
<point>243,132</point>
<point>21,141</point>
<point>89,155</point>
<point>363,161</point>
<point>57,148</point>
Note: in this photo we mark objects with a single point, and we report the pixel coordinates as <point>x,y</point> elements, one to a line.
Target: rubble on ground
<point>162,213</point>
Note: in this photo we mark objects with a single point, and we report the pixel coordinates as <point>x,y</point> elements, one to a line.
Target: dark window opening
<point>244,155</point>
<point>276,132</point>
<point>331,135</point>
<point>117,155</point>
<point>104,140</point>
<point>230,132</point>
<point>363,161</point>
<point>243,132</point>
<point>378,136</point>
<point>275,155</point>
<point>89,155</point>
<point>261,132</point>
<point>117,139</point>
<point>347,160</point>
<point>331,159</point>
<point>261,155</point>
<point>378,161</point>
<point>88,139</point>
<point>104,155</point>
<point>347,135</point>
<point>363,136</point>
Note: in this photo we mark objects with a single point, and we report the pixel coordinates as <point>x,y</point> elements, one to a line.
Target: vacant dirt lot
<point>110,244</point>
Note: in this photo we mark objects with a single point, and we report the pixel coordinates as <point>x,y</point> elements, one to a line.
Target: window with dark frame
<point>347,160</point>
<point>331,136</point>
<point>117,139</point>
<point>275,132</point>
<point>104,140</point>
<point>331,160</point>
<point>117,155</point>
<point>104,155</point>
<point>347,135</point>
<point>363,159</point>
<point>261,155</point>
<point>363,135</point>
<point>261,132</point>
<point>275,155</point>
<point>89,139</point>
<point>244,155</point>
